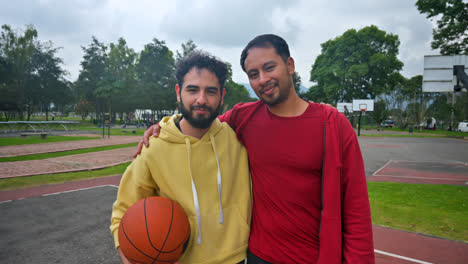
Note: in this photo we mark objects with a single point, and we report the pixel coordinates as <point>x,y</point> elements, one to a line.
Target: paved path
<point>80,162</point>
<point>19,150</point>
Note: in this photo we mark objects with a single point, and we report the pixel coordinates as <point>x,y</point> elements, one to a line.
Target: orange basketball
<point>154,230</point>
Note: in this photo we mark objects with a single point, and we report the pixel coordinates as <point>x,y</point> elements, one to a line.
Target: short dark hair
<point>266,41</point>
<point>201,60</point>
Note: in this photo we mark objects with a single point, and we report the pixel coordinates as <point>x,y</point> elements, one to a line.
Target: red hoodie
<point>345,230</point>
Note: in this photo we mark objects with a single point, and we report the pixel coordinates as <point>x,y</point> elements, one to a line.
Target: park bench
<point>127,131</point>
<point>42,134</point>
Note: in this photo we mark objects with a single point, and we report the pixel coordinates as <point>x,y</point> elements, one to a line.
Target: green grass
<point>116,131</point>
<point>440,132</point>
<point>9,141</point>
<point>439,210</point>
<point>22,182</point>
<point>403,135</point>
<point>65,153</point>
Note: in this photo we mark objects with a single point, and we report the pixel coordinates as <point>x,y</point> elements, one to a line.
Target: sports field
<point>417,189</point>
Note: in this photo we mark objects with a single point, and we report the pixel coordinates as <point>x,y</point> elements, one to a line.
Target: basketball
<point>154,230</point>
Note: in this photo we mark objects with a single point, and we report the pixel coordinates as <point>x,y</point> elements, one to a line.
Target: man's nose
<point>263,78</point>
<point>201,99</point>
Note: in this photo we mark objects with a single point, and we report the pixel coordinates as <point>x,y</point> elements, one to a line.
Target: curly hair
<point>201,60</point>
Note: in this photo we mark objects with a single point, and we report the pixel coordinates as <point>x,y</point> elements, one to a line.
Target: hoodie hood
<point>170,133</point>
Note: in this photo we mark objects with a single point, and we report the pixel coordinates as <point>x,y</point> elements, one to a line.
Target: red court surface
<point>454,173</point>
<point>391,245</point>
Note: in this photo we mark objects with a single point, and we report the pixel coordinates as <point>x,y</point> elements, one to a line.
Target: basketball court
<point>69,222</point>
<point>435,172</point>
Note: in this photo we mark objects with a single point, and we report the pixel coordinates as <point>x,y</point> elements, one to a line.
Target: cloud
<point>220,27</point>
<point>228,23</point>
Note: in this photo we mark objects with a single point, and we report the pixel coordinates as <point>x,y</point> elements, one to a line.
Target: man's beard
<point>200,122</point>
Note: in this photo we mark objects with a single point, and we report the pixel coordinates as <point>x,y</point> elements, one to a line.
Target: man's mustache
<point>206,108</point>
<point>269,84</point>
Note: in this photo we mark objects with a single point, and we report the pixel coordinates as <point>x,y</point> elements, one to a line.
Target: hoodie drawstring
<point>221,216</point>
<point>194,189</point>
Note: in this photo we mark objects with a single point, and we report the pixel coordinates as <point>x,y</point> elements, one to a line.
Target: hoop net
<point>363,107</point>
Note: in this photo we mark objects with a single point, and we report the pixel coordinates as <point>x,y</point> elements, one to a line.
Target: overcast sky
<point>222,28</point>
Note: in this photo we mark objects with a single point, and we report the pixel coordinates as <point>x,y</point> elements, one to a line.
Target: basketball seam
<point>131,243</point>
<point>147,229</point>
<point>168,231</point>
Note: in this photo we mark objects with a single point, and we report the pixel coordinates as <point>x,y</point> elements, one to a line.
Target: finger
<point>146,138</point>
<point>139,147</point>
<point>156,130</point>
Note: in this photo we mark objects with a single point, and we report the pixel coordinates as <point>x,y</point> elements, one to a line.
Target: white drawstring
<point>194,190</point>
<point>221,216</point>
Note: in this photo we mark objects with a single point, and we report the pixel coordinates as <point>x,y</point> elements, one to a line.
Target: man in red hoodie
<point>310,201</point>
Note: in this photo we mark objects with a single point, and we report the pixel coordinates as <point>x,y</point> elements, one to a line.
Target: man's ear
<point>291,66</point>
<point>177,90</point>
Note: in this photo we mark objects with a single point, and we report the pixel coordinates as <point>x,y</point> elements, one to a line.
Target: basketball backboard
<point>438,73</point>
<point>363,104</point>
<point>343,106</point>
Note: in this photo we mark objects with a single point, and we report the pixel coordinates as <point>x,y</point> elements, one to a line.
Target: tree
<point>156,76</point>
<point>380,112</point>
<point>8,99</point>
<point>297,83</point>
<point>83,108</point>
<point>235,93</point>
<point>31,74</point>
<point>356,65</point>
<point>16,52</point>
<point>119,73</point>
<point>451,34</point>
<point>396,101</point>
<point>315,94</point>
<point>46,83</point>
<point>187,48</point>
<point>92,73</point>
<point>418,104</point>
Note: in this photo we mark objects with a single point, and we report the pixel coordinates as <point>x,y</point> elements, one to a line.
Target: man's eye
<point>253,76</point>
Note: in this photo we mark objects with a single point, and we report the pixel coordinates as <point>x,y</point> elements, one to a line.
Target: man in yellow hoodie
<point>198,162</point>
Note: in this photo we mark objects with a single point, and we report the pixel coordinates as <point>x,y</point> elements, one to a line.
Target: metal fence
<point>37,126</point>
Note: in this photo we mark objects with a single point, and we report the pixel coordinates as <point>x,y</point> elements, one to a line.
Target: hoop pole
<point>359,126</point>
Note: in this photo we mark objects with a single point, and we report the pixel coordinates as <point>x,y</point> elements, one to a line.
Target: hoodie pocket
<point>219,242</point>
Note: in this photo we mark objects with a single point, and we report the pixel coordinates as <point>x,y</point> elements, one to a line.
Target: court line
<point>415,177</point>
<point>382,168</point>
<point>81,189</point>
<point>401,257</point>
<point>433,161</point>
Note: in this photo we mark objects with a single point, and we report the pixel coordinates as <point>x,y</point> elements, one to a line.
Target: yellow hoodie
<point>208,177</point>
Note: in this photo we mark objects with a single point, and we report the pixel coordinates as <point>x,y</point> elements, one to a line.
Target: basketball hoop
<point>363,107</point>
